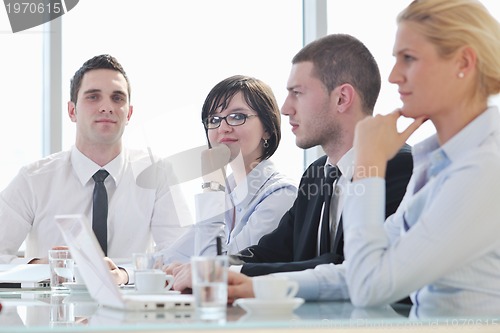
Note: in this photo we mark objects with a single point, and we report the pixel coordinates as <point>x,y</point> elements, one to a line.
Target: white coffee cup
<point>274,288</point>
<point>152,281</point>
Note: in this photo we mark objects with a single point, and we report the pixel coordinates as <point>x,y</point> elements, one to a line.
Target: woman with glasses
<point>241,115</point>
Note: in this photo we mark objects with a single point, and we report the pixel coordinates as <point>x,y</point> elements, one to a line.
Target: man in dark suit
<point>292,245</point>
<point>333,84</point>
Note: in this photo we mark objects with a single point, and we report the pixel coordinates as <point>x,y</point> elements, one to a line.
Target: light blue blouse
<point>252,209</point>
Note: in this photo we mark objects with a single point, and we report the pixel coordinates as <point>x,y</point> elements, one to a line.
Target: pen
<point>219,245</point>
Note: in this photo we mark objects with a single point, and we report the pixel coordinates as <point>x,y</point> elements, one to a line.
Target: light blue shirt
<point>252,209</point>
<point>442,245</point>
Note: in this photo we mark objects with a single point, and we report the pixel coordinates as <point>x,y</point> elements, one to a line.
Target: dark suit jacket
<point>292,246</point>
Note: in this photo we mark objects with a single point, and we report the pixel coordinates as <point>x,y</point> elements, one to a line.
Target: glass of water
<point>61,269</point>
<point>209,278</point>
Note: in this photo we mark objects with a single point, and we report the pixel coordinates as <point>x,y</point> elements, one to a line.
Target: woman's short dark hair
<point>258,95</point>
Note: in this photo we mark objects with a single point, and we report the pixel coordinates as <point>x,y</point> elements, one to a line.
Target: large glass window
<point>21,91</point>
<point>175,51</point>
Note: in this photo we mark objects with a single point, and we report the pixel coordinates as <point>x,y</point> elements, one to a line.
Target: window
<point>174,52</point>
<point>21,87</point>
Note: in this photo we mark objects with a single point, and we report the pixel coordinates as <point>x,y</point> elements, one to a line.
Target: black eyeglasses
<point>232,119</point>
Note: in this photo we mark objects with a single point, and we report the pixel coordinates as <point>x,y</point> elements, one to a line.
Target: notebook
<point>85,249</point>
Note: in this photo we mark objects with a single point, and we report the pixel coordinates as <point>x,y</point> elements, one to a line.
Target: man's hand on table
<point>120,276</point>
<point>239,286</point>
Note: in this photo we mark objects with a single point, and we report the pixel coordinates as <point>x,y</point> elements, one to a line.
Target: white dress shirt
<point>442,245</point>
<point>62,184</point>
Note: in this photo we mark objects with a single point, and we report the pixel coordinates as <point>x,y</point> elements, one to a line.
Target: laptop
<point>85,249</point>
<point>25,276</point>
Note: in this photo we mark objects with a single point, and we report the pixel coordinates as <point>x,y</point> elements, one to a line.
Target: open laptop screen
<point>88,255</point>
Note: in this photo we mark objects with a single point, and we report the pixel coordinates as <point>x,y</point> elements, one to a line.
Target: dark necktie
<point>332,174</point>
<point>100,210</point>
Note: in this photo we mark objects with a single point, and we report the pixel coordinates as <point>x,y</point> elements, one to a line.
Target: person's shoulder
<point>47,164</point>
<point>406,149</point>
<point>315,169</point>
<point>319,162</point>
<point>275,179</point>
<point>402,161</point>
<point>404,153</point>
<point>132,154</point>
<point>485,156</point>
<point>142,159</point>
<point>281,181</point>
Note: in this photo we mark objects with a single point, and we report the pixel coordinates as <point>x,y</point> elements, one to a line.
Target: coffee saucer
<point>263,317</point>
<point>136,292</point>
<point>269,307</point>
<point>75,287</point>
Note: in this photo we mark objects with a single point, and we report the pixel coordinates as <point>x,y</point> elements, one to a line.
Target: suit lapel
<point>309,212</point>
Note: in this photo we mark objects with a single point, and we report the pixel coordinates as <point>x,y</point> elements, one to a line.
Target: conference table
<point>44,311</point>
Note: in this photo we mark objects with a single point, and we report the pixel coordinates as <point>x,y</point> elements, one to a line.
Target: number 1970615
<point>34,8</point>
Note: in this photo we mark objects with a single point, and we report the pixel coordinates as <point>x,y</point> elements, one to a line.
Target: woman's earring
<point>265,144</point>
<point>461,75</point>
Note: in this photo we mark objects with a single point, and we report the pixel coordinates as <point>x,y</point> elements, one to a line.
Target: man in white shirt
<point>62,183</point>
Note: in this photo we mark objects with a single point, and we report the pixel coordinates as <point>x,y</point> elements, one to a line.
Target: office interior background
<point>174,52</point>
